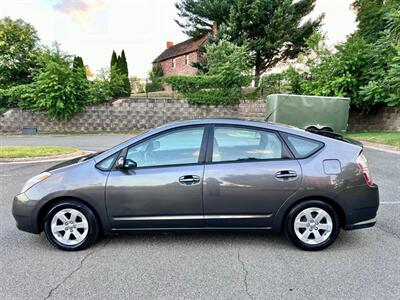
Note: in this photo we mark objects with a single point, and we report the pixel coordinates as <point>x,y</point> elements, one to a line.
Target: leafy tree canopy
<point>18,47</point>
<point>272,30</point>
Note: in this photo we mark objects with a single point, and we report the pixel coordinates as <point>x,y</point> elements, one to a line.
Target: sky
<point>93,28</point>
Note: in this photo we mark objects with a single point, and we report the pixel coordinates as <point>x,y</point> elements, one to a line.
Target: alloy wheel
<point>313,225</point>
<point>69,226</point>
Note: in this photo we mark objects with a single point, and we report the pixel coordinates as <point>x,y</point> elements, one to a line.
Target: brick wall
<point>141,113</point>
<point>181,68</point>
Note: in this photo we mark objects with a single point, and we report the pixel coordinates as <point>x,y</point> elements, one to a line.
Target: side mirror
<point>156,145</point>
<point>123,163</point>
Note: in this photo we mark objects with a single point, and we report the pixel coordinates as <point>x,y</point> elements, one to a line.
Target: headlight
<point>34,180</point>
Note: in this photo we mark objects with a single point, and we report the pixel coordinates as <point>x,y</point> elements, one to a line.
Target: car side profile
<point>211,174</point>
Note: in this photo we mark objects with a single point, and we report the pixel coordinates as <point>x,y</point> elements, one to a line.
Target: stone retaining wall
<point>384,119</point>
<point>142,113</point>
<point>129,114</point>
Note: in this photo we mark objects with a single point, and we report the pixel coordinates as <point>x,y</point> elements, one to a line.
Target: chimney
<point>169,44</point>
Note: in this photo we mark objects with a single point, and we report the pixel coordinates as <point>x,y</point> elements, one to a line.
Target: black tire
<point>328,129</point>
<point>296,210</point>
<point>93,226</point>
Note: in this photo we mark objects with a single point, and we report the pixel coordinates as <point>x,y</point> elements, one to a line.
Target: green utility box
<point>309,112</point>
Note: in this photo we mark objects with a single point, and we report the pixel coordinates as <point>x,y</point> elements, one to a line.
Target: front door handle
<point>285,175</point>
<point>189,179</point>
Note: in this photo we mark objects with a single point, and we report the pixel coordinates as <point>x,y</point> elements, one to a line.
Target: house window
<point>173,63</point>
<point>186,59</point>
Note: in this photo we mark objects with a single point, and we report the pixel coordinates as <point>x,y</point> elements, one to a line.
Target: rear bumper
<point>361,225</point>
<point>360,205</point>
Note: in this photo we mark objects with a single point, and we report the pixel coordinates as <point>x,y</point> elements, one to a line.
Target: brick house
<point>177,59</point>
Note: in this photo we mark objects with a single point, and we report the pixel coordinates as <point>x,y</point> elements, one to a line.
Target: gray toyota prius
<point>211,174</point>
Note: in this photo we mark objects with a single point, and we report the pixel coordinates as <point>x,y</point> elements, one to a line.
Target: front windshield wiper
<point>89,156</point>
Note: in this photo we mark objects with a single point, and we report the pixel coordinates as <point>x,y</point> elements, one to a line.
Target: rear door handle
<point>285,175</point>
<point>189,179</point>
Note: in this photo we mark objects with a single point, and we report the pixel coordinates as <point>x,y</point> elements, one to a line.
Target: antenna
<point>267,118</point>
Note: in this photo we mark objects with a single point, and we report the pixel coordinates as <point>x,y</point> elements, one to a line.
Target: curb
<point>381,147</point>
<point>54,158</point>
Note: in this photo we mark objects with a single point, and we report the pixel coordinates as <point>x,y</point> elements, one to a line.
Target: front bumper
<point>24,213</point>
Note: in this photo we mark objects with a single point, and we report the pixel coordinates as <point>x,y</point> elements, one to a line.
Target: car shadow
<point>346,241</point>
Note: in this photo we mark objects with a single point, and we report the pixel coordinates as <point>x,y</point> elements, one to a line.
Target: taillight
<point>362,163</point>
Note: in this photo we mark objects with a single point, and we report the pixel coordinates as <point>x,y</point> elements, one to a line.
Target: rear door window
<point>236,144</point>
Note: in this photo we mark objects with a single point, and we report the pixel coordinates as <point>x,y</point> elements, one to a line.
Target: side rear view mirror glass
<point>121,162</point>
<point>127,163</point>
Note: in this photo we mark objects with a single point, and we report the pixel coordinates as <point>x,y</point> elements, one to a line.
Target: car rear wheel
<point>312,225</point>
<point>71,225</point>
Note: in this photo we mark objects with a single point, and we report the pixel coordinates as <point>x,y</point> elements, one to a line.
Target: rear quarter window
<point>302,147</point>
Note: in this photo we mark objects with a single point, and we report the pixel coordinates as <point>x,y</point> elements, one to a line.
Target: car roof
<point>225,121</point>
<point>233,121</point>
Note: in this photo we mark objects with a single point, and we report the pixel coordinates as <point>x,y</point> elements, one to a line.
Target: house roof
<point>188,46</point>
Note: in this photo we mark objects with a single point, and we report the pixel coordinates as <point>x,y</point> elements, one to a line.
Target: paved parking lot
<point>362,264</point>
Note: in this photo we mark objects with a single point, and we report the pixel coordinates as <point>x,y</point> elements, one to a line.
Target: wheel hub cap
<point>313,225</point>
<point>69,226</point>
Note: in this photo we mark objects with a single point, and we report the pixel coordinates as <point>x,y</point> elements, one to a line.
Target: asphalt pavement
<point>362,264</point>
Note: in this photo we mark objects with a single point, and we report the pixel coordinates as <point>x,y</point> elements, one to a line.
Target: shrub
<point>154,86</point>
<point>102,88</point>
<point>156,77</point>
<point>17,96</point>
<point>271,84</point>
<point>99,91</point>
<point>289,82</point>
<point>57,88</point>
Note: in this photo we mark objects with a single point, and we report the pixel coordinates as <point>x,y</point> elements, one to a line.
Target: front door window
<point>177,147</point>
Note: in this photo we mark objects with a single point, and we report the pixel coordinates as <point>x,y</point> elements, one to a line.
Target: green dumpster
<point>309,112</point>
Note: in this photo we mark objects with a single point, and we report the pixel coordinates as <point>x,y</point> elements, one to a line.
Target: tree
<point>199,16</point>
<point>79,67</point>
<point>114,59</point>
<point>118,72</point>
<point>123,68</point>
<point>58,88</point>
<point>371,17</point>
<point>366,66</point>
<point>229,62</point>
<point>272,30</point>
<point>156,72</point>
<point>18,48</point>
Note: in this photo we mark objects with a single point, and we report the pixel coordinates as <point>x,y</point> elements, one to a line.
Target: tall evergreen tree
<point>123,68</point>
<point>114,59</point>
<point>79,67</point>
<point>114,76</point>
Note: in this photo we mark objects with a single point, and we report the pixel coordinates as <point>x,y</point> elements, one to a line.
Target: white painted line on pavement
<point>390,202</point>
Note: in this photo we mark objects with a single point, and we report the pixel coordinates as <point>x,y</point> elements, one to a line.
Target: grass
<point>391,138</point>
<point>33,151</point>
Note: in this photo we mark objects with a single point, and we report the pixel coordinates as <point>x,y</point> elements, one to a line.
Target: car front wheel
<point>312,225</point>
<point>71,225</point>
